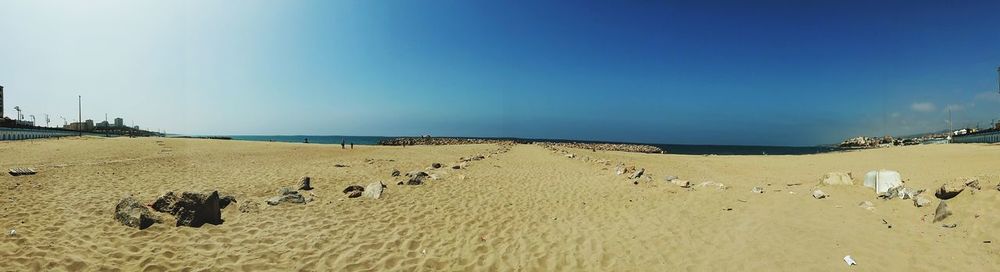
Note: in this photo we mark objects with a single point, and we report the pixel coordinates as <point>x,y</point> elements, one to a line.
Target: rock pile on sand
<point>442,141</point>
<point>192,209</point>
<point>605,147</point>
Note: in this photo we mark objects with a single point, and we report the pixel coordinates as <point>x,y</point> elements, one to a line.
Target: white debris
<point>849,260</point>
<point>12,232</point>
<point>757,190</point>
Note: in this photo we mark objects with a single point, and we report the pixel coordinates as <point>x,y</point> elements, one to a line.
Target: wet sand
<point>528,209</point>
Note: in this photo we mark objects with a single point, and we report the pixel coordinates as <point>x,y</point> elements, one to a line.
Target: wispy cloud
<point>956,107</point>
<point>988,96</point>
<point>923,107</point>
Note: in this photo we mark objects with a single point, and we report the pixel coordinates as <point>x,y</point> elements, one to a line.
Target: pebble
<point>757,190</point>
<point>819,194</point>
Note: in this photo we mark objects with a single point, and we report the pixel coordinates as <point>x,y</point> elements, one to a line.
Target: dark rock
<point>225,201</point>
<point>949,191</point>
<point>415,181</point>
<point>436,165</point>
<point>304,183</point>
<point>197,209</point>
<point>942,212</point>
<point>131,213</point>
<point>420,174</point>
<point>341,165</point>
<point>354,191</point>
<point>354,188</point>
<point>165,203</point>
<point>395,173</point>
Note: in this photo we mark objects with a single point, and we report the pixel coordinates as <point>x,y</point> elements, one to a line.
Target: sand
<point>528,209</point>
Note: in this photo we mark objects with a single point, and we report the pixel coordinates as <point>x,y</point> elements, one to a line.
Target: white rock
<point>571,155</point>
<point>837,178</point>
<point>883,180</point>
<point>757,190</point>
<point>921,201</point>
<point>681,183</point>
<point>373,190</point>
<point>819,194</point>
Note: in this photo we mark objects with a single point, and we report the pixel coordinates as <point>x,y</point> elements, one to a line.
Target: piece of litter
<point>849,260</point>
<point>950,226</point>
<point>12,232</point>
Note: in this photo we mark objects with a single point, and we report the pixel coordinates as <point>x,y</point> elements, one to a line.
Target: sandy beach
<point>529,209</point>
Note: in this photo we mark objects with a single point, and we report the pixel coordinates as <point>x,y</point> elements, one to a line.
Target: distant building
<point>119,122</point>
<point>75,126</point>
<point>1,101</point>
<point>103,124</point>
<point>88,125</point>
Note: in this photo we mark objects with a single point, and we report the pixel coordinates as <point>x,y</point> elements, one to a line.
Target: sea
<point>670,148</point>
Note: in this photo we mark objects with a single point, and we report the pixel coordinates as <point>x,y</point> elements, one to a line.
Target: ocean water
<point>670,148</point>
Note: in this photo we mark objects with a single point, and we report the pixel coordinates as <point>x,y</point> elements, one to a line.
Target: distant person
<point>342,142</point>
<point>307,140</point>
<point>352,145</point>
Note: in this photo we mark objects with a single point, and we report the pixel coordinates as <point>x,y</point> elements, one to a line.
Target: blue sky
<point>688,72</point>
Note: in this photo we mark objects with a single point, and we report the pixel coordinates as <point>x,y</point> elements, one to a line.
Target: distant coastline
<point>678,149</point>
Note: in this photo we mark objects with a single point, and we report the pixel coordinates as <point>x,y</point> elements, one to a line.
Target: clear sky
<point>688,72</point>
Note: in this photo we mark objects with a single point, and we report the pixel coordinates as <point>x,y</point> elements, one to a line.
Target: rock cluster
<point>131,213</point>
<point>444,141</point>
<point>192,209</point>
<point>605,147</point>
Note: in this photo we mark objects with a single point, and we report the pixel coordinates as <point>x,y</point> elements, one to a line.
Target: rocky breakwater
<point>442,141</point>
<point>605,147</point>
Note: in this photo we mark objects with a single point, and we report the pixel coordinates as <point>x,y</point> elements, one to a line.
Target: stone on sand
<point>131,213</point>
<point>837,178</point>
<point>374,190</point>
<point>395,173</point>
<point>757,190</point>
<point>305,183</point>
<point>354,191</point>
<point>196,209</point>
<point>638,174</point>
<point>950,190</point>
<point>818,194</point>
<point>287,196</point>
<point>942,212</point>
<point>682,183</point>
<point>435,165</point>
<point>921,201</point>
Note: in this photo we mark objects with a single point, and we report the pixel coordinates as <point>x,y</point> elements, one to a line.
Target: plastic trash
<point>12,232</point>
<point>849,260</point>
